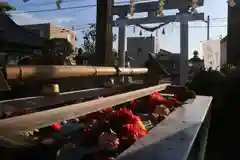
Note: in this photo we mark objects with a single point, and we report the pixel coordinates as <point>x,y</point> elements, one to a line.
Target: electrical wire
<point>50,10</point>
<point>94,5</point>
<point>51,3</point>
<point>67,8</point>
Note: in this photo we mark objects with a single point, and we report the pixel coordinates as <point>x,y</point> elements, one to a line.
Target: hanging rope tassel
<point>132,7</point>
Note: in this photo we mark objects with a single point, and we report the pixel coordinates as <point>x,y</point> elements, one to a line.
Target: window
<point>36,31</point>
<point>41,33</point>
<point>69,38</point>
<point>139,51</point>
<point>174,66</point>
<point>85,62</point>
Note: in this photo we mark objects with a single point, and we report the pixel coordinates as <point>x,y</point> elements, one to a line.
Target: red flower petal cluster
<point>56,126</point>
<point>132,125</point>
<point>157,99</point>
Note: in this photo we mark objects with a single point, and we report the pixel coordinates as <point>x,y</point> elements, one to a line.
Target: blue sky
<point>217,9</point>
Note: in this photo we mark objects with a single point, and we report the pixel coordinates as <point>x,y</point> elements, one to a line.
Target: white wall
<point>147,44</point>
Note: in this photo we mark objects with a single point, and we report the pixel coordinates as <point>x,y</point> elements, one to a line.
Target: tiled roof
<point>12,33</point>
<point>195,59</point>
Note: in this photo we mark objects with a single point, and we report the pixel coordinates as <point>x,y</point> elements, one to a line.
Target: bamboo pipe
<point>53,72</point>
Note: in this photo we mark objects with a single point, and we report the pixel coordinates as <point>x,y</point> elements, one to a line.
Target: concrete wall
<point>224,51</point>
<point>145,44</point>
<point>57,32</point>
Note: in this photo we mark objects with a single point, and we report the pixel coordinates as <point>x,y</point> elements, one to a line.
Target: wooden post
<point>233,48</point>
<point>104,32</point>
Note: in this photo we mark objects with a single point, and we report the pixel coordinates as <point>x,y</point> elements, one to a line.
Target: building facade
<point>171,61</point>
<point>139,47</point>
<point>51,31</point>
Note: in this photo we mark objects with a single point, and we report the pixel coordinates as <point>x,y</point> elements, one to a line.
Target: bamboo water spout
<point>53,72</point>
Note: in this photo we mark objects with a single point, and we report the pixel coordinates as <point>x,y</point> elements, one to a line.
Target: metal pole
<point>184,47</point>
<point>121,45</point>
<point>208,27</point>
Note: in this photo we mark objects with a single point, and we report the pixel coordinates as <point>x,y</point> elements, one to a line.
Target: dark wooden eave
<point>13,34</point>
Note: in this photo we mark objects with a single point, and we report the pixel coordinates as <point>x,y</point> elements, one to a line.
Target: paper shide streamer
<point>161,7</point>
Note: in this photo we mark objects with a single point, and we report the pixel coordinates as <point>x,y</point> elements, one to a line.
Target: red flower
<point>174,101</point>
<point>107,109</point>
<point>108,141</point>
<point>156,99</point>
<point>28,110</point>
<point>132,131</point>
<point>56,126</point>
<point>132,105</point>
<point>126,116</point>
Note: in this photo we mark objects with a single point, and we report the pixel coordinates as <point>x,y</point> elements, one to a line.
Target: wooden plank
<point>12,126</point>
<point>173,138</point>
<point>165,19</point>
<point>41,101</point>
<point>153,6</point>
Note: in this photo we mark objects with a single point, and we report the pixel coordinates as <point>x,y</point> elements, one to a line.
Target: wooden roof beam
<point>153,6</point>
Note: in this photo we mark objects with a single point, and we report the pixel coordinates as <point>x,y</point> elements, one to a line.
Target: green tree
<point>4,7</point>
<point>89,39</point>
<point>80,51</point>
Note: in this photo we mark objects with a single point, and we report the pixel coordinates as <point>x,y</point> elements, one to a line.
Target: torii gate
<point>105,11</point>
<point>151,7</point>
